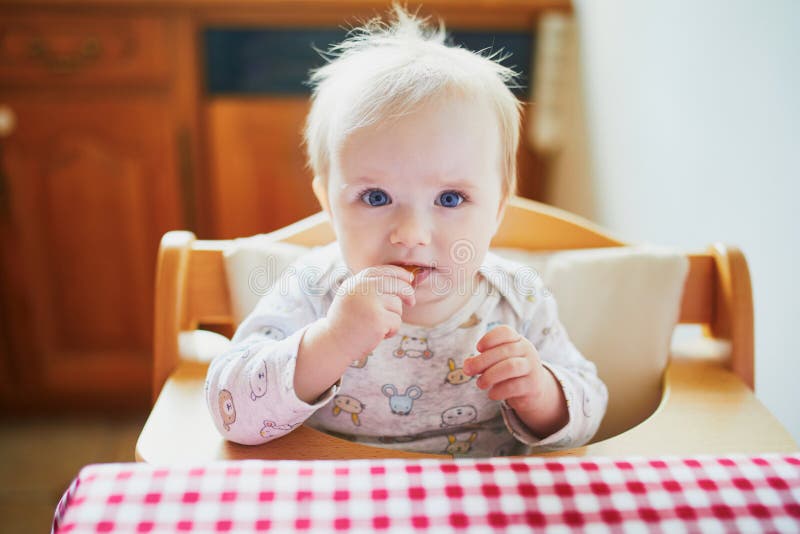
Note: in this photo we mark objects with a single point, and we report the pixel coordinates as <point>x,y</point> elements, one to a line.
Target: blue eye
<point>450,199</point>
<point>376,197</point>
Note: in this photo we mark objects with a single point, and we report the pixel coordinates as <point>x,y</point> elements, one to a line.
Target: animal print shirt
<point>409,392</point>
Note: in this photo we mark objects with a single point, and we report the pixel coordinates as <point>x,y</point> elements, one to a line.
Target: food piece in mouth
<point>413,269</point>
<point>418,272</point>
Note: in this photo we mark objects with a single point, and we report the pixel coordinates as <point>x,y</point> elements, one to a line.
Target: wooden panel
<point>496,14</point>
<point>85,49</point>
<point>92,188</point>
<point>500,14</point>
<point>259,182</point>
<point>531,166</point>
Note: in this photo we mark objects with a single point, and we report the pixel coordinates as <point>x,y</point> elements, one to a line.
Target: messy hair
<point>383,71</point>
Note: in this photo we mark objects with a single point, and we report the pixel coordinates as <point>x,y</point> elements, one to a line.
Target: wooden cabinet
<point>90,181</point>
<point>120,136</point>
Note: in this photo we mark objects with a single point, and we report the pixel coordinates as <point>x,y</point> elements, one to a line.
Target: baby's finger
<point>395,271</point>
<point>480,363</point>
<point>387,285</point>
<point>394,322</point>
<point>392,303</point>
<point>509,389</point>
<point>497,336</point>
<point>502,371</point>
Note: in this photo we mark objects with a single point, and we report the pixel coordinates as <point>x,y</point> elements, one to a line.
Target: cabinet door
<point>91,187</point>
<point>259,181</point>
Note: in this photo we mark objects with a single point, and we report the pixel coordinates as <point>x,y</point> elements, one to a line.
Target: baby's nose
<point>411,230</point>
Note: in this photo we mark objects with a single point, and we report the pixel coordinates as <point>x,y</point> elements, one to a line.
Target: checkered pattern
<point>709,494</point>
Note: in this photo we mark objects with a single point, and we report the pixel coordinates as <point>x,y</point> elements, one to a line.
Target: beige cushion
<point>619,306</point>
<point>252,265</point>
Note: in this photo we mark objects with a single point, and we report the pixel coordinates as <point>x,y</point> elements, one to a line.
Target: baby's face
<point>425,190</point>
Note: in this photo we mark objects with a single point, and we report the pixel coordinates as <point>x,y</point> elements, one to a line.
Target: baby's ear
<point>321,192</point>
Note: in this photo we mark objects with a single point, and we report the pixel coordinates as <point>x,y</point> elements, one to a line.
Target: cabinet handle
<point>7,123</point>
<point>186,178</point>
<point>89,51</point>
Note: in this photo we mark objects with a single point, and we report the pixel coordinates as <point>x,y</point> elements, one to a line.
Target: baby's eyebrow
<point>442,184</point>
<point>458,184</point>
<point>361,181</point>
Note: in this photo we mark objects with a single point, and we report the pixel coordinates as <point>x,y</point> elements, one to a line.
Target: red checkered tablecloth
<point>709,494</point>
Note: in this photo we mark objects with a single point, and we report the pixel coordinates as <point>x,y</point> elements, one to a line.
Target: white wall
<point>692,116</point>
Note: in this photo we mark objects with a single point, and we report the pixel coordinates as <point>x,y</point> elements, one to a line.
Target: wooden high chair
<point>707,405</point>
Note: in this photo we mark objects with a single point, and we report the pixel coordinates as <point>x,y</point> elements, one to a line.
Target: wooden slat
<point>207,296</point>
<point>696,307</point>
<point>532,225</point>
<point>733,309</point>
<point>526,224</point>
<point>173,258</point>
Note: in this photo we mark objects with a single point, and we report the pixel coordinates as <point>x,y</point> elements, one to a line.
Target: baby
<point>406,332</point>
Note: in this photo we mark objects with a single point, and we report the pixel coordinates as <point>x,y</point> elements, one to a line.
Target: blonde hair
<point>383,71</point>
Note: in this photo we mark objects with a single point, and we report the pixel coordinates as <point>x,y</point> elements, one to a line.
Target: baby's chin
<point>441,284</point>
<point>432,308</point>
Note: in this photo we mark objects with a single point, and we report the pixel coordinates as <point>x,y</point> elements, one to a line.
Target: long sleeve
<point>250,388</point>
<point>585,393</point>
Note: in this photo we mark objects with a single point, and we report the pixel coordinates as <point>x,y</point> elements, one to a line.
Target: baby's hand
<point>510,368</point>
<point>368,308</point>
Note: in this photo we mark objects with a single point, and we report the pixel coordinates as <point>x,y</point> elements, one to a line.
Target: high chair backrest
<point>192,288</point>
